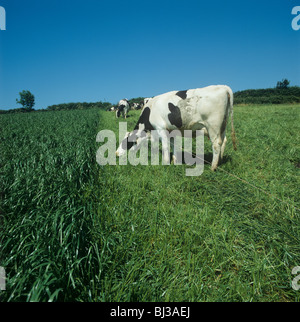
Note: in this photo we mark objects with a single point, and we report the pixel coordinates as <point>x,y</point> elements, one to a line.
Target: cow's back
<point>191,109</point>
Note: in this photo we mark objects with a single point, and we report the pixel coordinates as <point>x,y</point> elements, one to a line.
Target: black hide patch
<point>129,141</point>
<point>144,119</point>
<point>182,94</point>
<point>175,115</point>
<point>120,109</point>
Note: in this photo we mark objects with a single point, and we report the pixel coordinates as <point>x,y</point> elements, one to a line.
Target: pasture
<point>74,231</point>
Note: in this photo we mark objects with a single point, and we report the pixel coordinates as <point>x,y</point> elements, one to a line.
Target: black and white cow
<point>122,108</point>
<point>205,108</point>
<point>136,106</point>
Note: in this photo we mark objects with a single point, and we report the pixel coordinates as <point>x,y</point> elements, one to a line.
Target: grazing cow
<point>142,103</point>
<point>122,108</point>
<point>136,106</point>
<point>205,109</point>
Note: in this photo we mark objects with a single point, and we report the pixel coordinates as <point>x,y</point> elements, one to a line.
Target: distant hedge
<point>78,106</point>
<point>288,95</point>
<point>15,110</point>
<point>63,107</point>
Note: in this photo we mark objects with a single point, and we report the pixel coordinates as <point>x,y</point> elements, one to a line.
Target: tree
<point>26,100</point>
<point>283,84</point>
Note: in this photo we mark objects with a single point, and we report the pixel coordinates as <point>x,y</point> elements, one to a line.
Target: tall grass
<point>47,160</point>
<point>75,231</point>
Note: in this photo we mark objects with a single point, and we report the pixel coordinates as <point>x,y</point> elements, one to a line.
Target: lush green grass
<point>47,163</point>
<point>76,231</point>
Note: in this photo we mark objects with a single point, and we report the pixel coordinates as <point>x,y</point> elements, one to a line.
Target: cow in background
<point>136,106</point>
<point>122,108</point>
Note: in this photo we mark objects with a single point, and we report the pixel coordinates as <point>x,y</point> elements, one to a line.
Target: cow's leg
<point>173,150</point>
<point>165,146</point>
<point>223,146</point>
<point>176,146</point>
<point>216,146</point>
<point>217,140</point>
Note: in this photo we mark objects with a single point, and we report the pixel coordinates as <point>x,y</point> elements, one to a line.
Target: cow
<point>141,104</point>
<point>136,106</point>
<point>205,109</point>
<point>122,108</point>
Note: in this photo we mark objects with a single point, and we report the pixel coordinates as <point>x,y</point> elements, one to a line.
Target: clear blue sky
<point>75,51</point>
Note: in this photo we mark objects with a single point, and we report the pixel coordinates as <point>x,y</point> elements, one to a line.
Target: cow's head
<point>124,146</point>
<point>141,132</point>
<point>132,141</point>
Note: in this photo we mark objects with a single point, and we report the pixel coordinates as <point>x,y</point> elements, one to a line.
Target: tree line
<point>281,94</point>
<point>278,95</point>
<point>78,106</point>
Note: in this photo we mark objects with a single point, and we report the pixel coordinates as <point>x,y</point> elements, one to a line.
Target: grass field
<point>74,231</point>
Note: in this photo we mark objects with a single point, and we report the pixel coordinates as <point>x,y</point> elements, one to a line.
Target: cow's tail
<point>230,108</point>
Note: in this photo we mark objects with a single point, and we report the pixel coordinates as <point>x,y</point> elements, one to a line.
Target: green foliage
<point>283,84</point>
<point>15,110</point>
<point>26,100</point>
<point>71,230</point>
<point>46,160</point>
<point>282,94</point>
<point>290,95</point>
<point>136,100</point>
<point>79,106</point>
